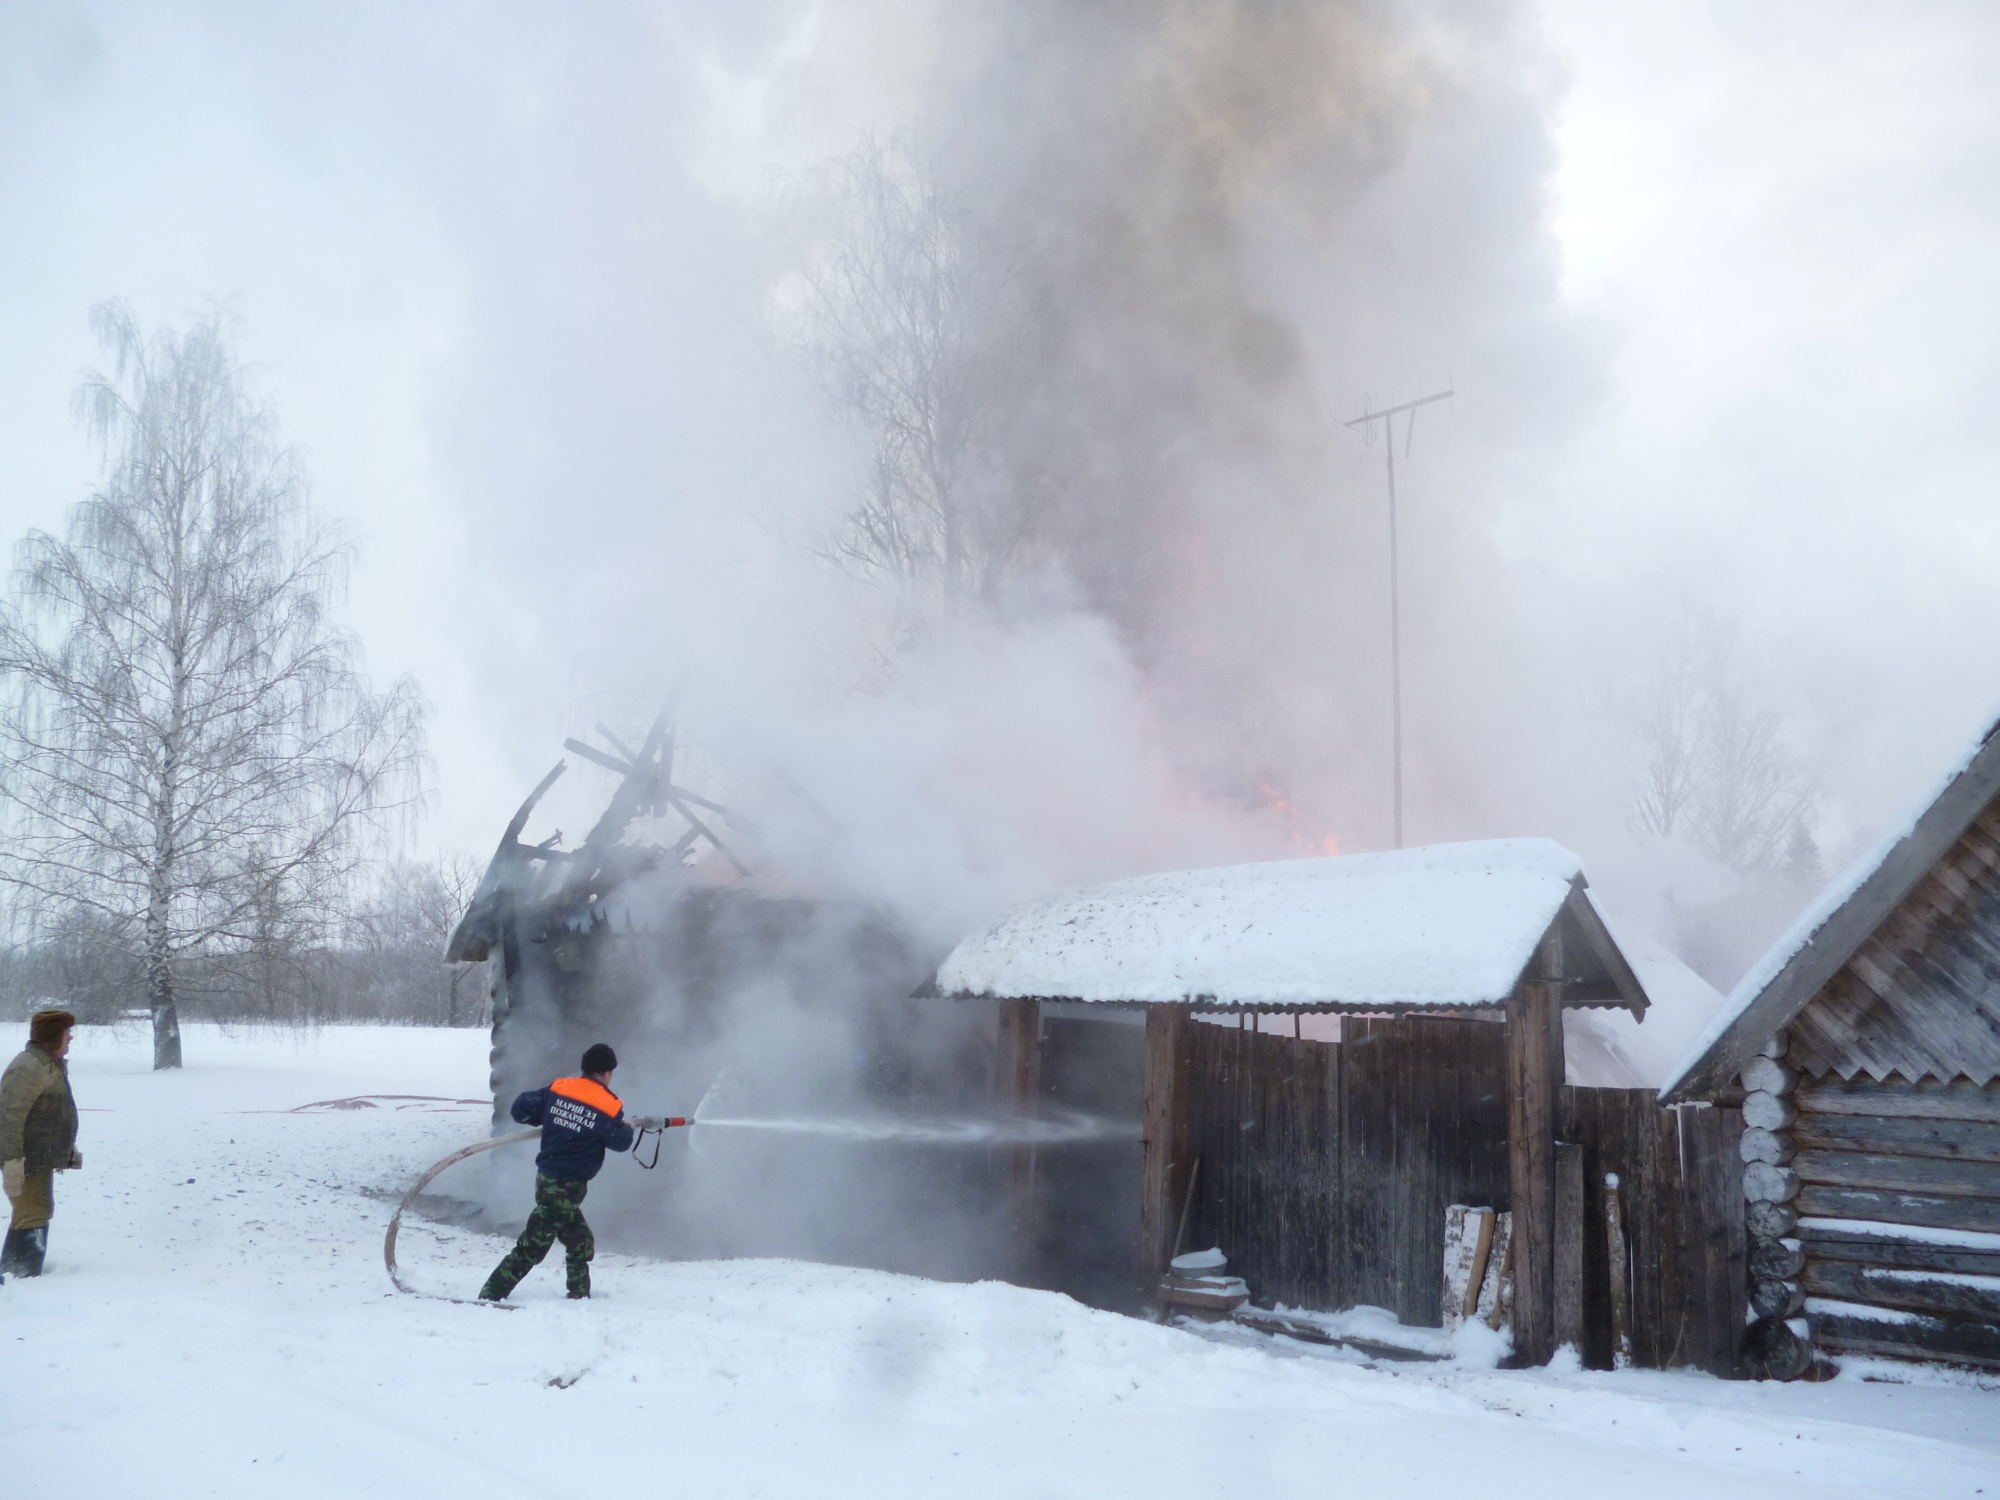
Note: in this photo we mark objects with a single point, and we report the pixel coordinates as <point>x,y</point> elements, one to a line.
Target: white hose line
<point>396,1219</point>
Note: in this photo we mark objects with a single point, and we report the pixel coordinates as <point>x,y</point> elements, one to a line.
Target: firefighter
<point>37,1138</point>
<point>580,1118</point>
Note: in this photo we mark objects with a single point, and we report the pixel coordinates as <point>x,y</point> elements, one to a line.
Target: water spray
<point>1049,1129</point>
<point>1044,1130</point>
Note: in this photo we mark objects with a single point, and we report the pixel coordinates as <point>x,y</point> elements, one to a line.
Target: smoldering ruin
<point>839,1115</point>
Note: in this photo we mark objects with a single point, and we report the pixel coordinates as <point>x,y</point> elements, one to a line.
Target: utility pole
<point>1387,417</point>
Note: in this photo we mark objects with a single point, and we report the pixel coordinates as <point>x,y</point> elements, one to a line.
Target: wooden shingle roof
<point>1897,972</point>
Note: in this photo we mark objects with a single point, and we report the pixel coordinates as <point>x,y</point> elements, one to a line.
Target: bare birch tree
<point>1718,770</point>
<point>1665,710</point>
<point>907,322</point>
<point>190,749</point>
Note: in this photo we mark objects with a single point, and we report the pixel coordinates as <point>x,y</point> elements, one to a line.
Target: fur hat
<point>46,1027</point>
<point>599,1058</point>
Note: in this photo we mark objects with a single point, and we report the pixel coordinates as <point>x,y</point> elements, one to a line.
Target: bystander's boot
<point>24,1250</point>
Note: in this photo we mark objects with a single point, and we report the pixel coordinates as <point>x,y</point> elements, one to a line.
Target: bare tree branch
<point>906,316</point>
<point>1718,771</point>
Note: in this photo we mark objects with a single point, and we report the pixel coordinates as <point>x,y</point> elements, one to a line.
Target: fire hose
<point>396,1219</point>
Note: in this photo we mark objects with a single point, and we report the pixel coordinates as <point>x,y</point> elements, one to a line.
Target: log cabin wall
<point>1884,1157</point>
<point>1897,1211</point>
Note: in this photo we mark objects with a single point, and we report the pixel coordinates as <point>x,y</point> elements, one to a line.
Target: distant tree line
<point>383,961</point>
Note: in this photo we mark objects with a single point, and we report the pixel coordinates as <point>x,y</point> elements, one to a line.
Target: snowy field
<point>216,1322</point>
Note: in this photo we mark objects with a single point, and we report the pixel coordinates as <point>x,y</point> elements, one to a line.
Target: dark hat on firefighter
<point>599,1058</point>
<point>46,1027</point>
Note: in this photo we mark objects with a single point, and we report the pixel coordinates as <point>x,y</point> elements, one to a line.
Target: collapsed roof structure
<point>716,978</point>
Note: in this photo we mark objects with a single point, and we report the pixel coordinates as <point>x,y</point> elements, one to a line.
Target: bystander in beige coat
<point>37,1138</point>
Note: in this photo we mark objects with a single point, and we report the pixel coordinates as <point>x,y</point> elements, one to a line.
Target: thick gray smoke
<point>1238,223</point>
<point>1191,242</point>
<point>1096,581</point>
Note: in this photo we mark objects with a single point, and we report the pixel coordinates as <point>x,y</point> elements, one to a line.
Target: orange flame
<point>1308,840</point>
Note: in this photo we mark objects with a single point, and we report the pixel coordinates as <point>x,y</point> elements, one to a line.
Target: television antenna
<point>1387,417</point>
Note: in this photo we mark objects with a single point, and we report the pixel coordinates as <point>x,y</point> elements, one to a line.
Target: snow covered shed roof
<point>1449,927</point>
<point>1832,932</point>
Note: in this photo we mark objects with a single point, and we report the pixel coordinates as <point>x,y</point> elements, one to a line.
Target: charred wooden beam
<point>682,794</point>
<point>708,833</point>
<point>598,757</point>
<point>1963,1341</point>
<point>477,930</point>
<point>616,744</point>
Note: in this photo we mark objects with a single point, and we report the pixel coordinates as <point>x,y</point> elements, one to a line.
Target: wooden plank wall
<point>1424,1126</point>
<point>1326,1169</point>
<point>1681,1191</point>
<point>1915,1156</point>
<point>1264,1124</point>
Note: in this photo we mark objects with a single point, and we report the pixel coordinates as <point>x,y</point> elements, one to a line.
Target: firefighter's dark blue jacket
<point>579,1118</point>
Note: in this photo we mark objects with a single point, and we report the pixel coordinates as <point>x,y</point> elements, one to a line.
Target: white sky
<point>435,219</point>
<point>1790,212</point>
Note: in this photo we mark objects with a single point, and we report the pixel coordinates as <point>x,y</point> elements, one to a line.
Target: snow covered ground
<point>216,1322</point>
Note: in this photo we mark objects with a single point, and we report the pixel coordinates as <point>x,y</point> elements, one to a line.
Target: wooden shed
<point>1325,1166</point>
<point>1865,1050</point>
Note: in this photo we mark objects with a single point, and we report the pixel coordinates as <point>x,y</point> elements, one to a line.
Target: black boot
<point>24,1251</point>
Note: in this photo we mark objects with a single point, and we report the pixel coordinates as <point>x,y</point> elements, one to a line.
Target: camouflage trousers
<point>558,1215</point>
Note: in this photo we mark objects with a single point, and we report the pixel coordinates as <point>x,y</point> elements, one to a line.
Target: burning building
<point>789,1013</point>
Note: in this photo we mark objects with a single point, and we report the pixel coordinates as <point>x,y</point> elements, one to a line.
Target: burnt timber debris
<point>704,972</point>
<point>619,934</point>
<point>570,879</point>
